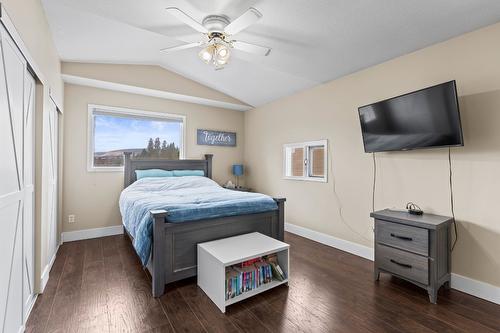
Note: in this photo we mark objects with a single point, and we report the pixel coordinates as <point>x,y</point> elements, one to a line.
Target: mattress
<point>188,198</point>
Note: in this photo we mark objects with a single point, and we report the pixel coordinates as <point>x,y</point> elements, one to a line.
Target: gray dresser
<point>415,248</point>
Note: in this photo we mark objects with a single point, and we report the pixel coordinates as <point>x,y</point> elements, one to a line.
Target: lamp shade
<point>238,169</point>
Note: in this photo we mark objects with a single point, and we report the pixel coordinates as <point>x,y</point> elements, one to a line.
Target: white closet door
<point>29,197</point>
<point>12,74</point>
<point>50,161</point>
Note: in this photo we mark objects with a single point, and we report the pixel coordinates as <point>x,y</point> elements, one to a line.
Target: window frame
<point>307,145</point>
<point>126,112</point>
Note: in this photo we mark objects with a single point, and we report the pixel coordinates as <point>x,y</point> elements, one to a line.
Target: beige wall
<point>30,22</point>
<point>329,112</point>
<point>93,196</point>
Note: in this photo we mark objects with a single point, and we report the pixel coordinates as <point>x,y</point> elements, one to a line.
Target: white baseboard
<point>357,249</point>
<point>464,284</point>
<point>476,288</point>
<point>69,236</point>
<point>27,315</point>
<point>46,271</point>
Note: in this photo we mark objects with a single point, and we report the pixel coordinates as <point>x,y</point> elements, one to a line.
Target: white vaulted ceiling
<point>312,41</point>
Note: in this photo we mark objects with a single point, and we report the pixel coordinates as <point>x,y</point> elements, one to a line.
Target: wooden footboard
<point>174,244</point>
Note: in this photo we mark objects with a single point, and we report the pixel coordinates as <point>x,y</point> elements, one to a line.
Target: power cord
<point>374,181</point>
<point>337,198</point>
<point>374,187</point>
<point>452,201</point>
<point>411,205</point>
<point>414,209</point>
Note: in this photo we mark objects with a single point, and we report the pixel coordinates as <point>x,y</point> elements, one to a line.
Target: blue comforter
<point>185,199</point>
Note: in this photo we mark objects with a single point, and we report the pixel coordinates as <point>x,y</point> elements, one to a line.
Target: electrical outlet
<point>71,218</point>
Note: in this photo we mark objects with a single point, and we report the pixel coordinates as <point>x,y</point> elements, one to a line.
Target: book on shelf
<point>252,274</point>
<point>277,272</point>
<point>232,288</point>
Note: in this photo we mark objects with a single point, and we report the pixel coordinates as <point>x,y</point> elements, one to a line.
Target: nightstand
<point>241,189</point>
<point>413,247</point>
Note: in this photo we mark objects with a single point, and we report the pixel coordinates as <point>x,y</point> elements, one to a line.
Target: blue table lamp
<point>238,171</point>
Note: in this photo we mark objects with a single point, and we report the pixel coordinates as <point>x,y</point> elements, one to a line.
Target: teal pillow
<point>179,173</point>
<point>153,173</point>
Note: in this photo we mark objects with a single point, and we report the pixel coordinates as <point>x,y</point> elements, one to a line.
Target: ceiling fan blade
<point>251,48</point>
<point>180,47</point>
<point>185,18</point>
<point>248,18</point>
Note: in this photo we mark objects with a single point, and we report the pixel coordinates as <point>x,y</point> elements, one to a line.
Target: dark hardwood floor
<point>98,285</point>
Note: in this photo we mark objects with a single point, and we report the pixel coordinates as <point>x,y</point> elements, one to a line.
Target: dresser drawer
<point>408,265</point>
<point>402,236</point>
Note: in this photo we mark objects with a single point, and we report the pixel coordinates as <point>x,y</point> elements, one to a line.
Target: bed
<point>175,234</point>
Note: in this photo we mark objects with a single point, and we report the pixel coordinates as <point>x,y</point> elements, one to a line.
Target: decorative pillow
<point>153,173</point>
<point>179,173</point>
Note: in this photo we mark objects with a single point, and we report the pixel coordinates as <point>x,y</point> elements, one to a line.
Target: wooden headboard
<point>132,164</point>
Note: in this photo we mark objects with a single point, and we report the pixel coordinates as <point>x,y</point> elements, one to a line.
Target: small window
<point>306,161</point>
<point>113,131</point>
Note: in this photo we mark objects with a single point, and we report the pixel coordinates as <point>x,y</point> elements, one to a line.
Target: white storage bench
<point>215,256</point>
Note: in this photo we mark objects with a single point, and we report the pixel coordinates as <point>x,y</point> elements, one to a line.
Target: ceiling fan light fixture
<point>223,51</point>
<point>217,53</point>
<point>217,36</point>
<point>220,62</point>
<point>207,54</point>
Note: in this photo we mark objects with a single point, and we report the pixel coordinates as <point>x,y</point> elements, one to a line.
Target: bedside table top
<point>428,221</point>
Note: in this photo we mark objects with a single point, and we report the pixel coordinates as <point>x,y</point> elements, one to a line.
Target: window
<point>113,131</point>
<point>306,161</point>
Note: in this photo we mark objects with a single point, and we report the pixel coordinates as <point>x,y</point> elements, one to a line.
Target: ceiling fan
<point>217,39</point>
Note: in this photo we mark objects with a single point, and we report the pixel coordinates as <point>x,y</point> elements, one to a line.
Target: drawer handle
<point>402,237</point>
<point>401,264</point>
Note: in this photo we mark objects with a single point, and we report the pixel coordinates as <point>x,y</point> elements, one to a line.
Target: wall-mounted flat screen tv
<point>427,118</point>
